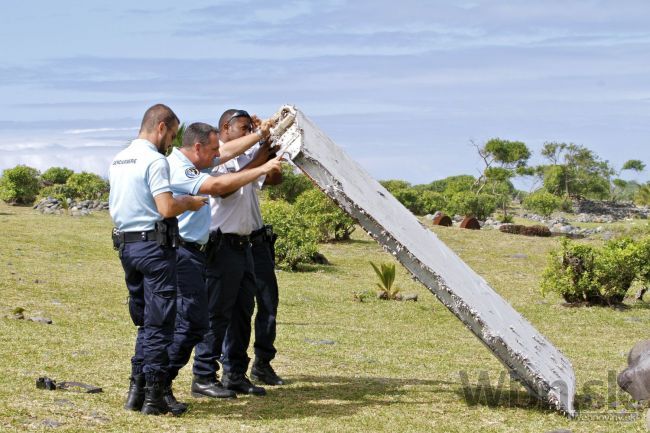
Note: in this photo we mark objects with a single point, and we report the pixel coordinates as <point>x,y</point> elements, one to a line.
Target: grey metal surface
<point>529,356</point>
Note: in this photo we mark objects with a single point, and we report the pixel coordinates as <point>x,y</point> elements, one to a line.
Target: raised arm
<point>236,147</point>
<point>227,183</point>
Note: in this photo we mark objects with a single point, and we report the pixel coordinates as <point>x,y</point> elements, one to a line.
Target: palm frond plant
<point>386,274</point>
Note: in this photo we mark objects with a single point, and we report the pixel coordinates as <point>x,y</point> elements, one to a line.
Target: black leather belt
<point>194,245</point>
<point>128,237</point>
<point>237,241</point>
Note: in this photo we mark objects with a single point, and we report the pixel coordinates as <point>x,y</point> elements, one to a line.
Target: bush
<point>410,198</point>
<point>583,273</point>
<point>325,216</point>
<point>542,202</point>
<point>57,175</point>
<point>57,191</point>
<point>468,203</point>
<point>19,185</point>
<point>292,185</point>
<point>431,201</point>
<point>297,238</point>
<point>88,186</point>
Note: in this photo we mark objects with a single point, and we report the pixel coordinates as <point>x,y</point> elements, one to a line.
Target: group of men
<point>196,255</point>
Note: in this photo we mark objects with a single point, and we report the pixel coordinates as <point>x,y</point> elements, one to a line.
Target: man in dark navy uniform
<point>143,211</point>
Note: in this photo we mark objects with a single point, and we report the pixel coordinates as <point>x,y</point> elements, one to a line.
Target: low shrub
<point>326,217</point>
<point>297,238</point>
<point>88,186</point>
<point>468,203</point>
<point>542,202</point>
<point>19,185</point>
<point>601,276</point>
<point>56,175</point>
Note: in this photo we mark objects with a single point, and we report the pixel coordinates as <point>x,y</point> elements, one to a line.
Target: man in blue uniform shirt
<point>142,208</point>
<point>230,276</point>
<point>200,146</point>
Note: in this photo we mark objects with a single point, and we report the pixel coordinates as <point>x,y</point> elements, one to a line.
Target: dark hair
<point>198,132</point>
<point>232,113</point>
<point>156,114</point>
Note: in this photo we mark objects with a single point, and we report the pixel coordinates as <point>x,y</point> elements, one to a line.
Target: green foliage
<point>642,196</point>
<point>634,164</point>
<point>326,217</point>
<point>452,184</point>
<point>57,175</point>
<point>293,184</point>
<point>584,273</point>
<point>57,191</point>
<point>178,140</point>
<point>19,185</point>
<point>575,171</point>
<point>542,202</point>
<point>386,275</point>
<point>393,185</point>
<point>422,199</point>
<point>88,186</point>
<point>297,238</point>
<point>410,198</point>
<point>508,154</point>
<point>468,203</point>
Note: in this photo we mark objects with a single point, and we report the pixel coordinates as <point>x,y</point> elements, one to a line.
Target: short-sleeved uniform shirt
<point>239,213</point>
<point>136,175</point>
<point>187,179</point>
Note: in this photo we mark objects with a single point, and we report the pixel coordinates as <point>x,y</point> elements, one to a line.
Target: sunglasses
<point>239,113</point>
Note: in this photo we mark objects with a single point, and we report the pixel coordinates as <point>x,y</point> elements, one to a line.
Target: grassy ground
<point>352,366</point>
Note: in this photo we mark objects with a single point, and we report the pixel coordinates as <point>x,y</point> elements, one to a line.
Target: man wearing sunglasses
<point>234,279</point>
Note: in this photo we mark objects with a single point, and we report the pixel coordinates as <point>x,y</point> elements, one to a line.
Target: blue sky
<point>402,86</point>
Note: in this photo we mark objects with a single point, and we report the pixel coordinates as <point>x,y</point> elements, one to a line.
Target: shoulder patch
<point>191,172</point>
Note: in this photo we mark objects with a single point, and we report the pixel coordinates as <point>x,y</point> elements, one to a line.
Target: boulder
<point>635,379</point>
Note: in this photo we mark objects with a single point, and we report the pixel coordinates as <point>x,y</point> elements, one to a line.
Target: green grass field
<point>352,366</point>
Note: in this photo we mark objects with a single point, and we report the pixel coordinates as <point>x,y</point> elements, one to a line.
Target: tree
<point>56,175</point>
<point>623,189</point>
<point>19,185</point>
<point>503,160</point>
<point>575,171</point>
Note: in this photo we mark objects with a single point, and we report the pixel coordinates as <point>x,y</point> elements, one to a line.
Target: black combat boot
<point>263,372</point>
<point>210,387</point>
<point>154,399</point>
<point>176,407</point>
<point>238,382</point>
<point>135,397</point>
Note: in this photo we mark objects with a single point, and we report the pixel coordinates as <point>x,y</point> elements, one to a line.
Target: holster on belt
<point>214,242</point>
<point>167,234</point>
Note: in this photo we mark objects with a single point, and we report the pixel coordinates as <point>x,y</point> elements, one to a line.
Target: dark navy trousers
<point>230,283</point>
<point>191,307</point>
<point>150,274</point>
<point>266,298</point>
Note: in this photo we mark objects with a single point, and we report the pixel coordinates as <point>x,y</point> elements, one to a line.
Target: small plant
<point>386,274</point>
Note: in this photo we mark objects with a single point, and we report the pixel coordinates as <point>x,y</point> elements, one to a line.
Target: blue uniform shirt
<point>187,179</point>
<point>136,175</point>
